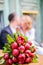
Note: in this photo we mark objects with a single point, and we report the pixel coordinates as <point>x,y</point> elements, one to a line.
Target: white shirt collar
<point>13,30</point>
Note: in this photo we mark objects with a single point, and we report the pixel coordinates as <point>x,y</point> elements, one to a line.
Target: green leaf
<point>26,39</point>
<point>11,56</point>
<point>15,36</point>
<point>5,49</point>
<point>34,60</point>
<point>19,33</point>
<point>13,64</point>
<point>10,39</point>
<point>16,63</point>
<point>8,51</point>
<point>1,57</point>
<point>20,64</point>
<point>2,61</point>
<point>35,56</point>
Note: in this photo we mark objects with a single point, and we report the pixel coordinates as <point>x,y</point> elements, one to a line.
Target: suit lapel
<point>8,29</point>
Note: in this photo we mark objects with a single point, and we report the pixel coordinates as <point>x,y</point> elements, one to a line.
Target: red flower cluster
<point>21,53</point>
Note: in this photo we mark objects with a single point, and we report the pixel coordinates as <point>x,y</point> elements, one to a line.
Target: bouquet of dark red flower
<point>19,50</point>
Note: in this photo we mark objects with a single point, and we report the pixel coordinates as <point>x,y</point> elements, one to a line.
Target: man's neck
<point>13,26</point>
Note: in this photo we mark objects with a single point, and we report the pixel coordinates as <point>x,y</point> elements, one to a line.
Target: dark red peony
<point>20,40</point>
<point>6,56</point>
<point>21,48</point>
<point>27,46</point>
<point>29,42</point>
<point>14,45</point>
<point>15,60</point>
<point>15,52</point>
<point>28,60</point>
<point>9,61</point>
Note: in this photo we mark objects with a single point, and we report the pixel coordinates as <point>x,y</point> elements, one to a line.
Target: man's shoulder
<point>5,29</point>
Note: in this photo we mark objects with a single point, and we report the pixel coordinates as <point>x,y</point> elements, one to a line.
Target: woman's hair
<point>11,17</point>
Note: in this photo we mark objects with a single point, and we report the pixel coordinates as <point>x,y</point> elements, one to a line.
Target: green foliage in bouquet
<point>35,58</point>
<point>19,50</point>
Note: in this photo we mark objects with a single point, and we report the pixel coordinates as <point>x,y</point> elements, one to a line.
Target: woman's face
<point>23,26</point>
<point>27,24</point>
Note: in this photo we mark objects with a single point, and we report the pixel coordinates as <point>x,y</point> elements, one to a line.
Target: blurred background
<point>33,8</point>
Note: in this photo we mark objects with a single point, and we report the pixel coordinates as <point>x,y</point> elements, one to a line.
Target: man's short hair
<point>11,17</point>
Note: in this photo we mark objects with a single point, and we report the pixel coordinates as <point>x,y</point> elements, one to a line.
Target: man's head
<point>26,22</point>
<point>13,19</point>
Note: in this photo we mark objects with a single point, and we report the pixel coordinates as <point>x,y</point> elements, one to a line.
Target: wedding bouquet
<point>19,50</point>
